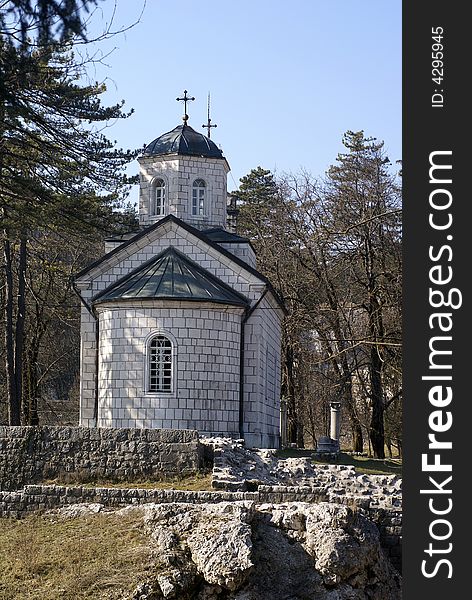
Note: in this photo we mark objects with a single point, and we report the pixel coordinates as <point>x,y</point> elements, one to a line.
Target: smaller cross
<point>208,126</point>
<point>185,99</point>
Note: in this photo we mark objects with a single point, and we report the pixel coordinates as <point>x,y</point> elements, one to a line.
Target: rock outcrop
<point>192,544</point>
<point>240,551</point>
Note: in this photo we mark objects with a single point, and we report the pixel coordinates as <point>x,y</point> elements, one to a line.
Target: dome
<point>183,140</point>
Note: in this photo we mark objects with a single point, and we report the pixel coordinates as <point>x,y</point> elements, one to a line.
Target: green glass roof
<point>171,275</point>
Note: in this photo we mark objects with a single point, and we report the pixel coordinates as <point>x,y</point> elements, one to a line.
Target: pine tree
<point>41,22</point>
<point>58,171</point>
<point>363,200</point>
<point>257,197</point>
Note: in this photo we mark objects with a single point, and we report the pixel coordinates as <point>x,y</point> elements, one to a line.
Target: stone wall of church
<point>262,384</point>
<point>206,356</point>
<point>166,168</point>
<point>88,366</point>
<point>262,376</point>
<point>179,173</point>
<point>120,265</point>
<point>242,251</point>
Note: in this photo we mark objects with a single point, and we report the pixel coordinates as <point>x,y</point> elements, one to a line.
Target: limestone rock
<point>209,542</point>
<point>344,546</point>
<point>293,551</point>
<point>70,511</point>
<point>221,544</point>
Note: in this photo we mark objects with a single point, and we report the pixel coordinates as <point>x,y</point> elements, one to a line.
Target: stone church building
<point>179,330</point>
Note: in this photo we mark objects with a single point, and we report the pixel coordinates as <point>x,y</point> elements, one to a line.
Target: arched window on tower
<point>160,364</point>
<point>198,197</point>
<point>158,198</point>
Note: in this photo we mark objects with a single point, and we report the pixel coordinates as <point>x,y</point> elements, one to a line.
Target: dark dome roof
<point>184,140</point>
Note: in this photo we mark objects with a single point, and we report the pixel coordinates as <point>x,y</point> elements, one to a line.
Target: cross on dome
<point>185,99</point>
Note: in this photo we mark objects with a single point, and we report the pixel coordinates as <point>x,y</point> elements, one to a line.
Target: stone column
<point>335,421</point>
<point>283,422</point>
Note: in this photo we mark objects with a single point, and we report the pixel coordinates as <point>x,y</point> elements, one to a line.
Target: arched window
<point>198,197</point>
<point>160,364</point>
<point>158,198</point>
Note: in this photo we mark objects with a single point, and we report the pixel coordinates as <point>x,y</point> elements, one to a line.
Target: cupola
<point>183,173</point>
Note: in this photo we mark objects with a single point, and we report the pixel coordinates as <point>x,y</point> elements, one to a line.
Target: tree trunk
<point>31,379</point>
<point>377,434</point>
<point>344,371</point>
<point>289,393</point>
<point>374,309</point>
<point>356,427</point>
<point>20,322</point>
<point>31,384</point>
<point>14,407</point>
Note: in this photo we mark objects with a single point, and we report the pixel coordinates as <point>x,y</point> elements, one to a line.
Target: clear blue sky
<point>287,79</point>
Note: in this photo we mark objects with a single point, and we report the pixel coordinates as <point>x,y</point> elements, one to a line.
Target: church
<point>178,328</point>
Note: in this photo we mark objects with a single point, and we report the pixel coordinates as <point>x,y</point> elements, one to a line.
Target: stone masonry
<point>35,454</point>
<point>32,498</point>
<point>206,391</point>
<point>261,350</point>
<point>29,455</point>
<point>179,173</point>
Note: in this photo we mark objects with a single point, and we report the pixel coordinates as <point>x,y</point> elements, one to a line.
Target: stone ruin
<point>329,445</point>
<point>284,527</point>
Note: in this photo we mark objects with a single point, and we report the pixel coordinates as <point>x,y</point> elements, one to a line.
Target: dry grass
<point>101,556</point>
<point>190,483</point>
<point>362,464</point>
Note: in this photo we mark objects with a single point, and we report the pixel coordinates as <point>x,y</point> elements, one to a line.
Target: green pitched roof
<point>172,276</point>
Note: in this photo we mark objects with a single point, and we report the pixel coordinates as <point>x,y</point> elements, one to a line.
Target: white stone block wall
<point>87,364</point>
<point>262,345</point>
<point>242,251</point>
<point>197,250</point>
<point>120,264</point>
<point>167,167</point>
<point>262,375</point>
<point>179,173</point>
<point>111,245</point>
<point>206,364</point>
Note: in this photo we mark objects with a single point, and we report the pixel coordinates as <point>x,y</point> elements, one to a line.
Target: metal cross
<point>208,126</point>
<point>185,99</point>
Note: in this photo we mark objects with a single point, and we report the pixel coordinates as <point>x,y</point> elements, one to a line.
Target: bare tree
<point>333,251</point>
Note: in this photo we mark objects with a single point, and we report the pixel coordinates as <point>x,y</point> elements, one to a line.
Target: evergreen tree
<point>363,200</point>
<point>58,172</point>
<point>257,197</point>
<point>41,22</point>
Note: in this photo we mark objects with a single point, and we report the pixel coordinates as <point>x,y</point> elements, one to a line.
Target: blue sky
<point>287,79</point>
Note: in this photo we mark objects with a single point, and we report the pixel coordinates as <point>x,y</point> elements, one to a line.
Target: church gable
<point>171,276</point>
<point>170,232</point>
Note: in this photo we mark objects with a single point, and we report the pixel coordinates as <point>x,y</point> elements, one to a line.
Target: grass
<point>101,556</point>
<point>197,482</point>
<point>362,464</point>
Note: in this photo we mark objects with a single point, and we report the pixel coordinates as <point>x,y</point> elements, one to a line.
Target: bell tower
<point>183,173</point>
